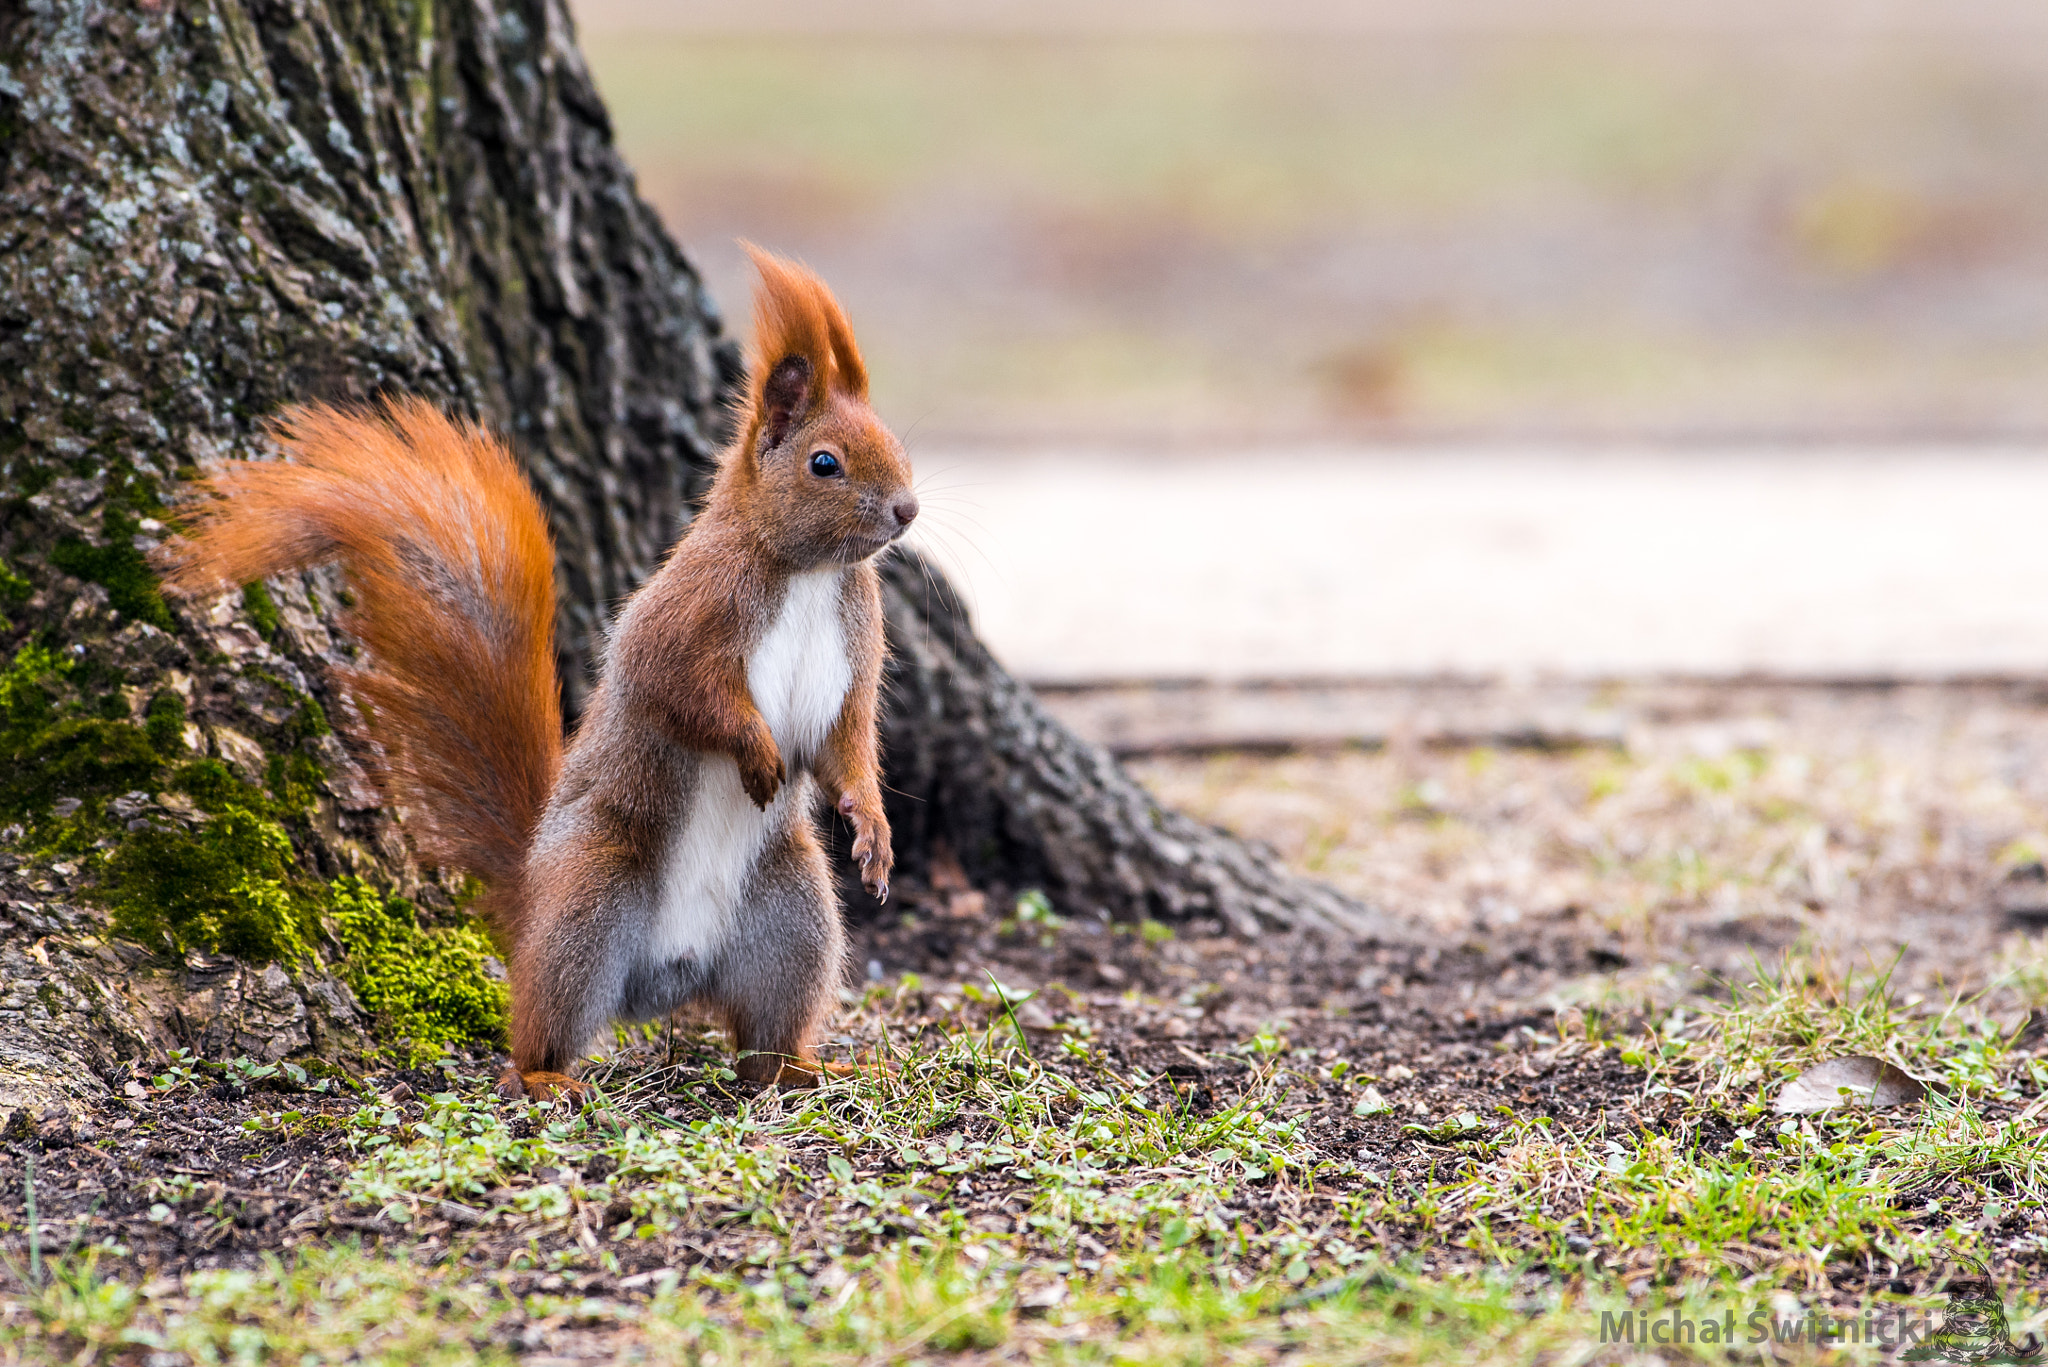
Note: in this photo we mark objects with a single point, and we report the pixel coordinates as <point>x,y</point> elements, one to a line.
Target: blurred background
<point>1269,340</point>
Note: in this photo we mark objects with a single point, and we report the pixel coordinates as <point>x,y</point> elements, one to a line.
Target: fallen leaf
<point>1854,1081</point>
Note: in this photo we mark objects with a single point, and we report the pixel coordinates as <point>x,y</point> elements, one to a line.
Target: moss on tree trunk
<point>211,208</point>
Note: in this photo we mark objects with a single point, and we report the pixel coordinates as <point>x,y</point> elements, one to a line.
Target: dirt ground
<point>1680,823</point>
<point>1560,900</point>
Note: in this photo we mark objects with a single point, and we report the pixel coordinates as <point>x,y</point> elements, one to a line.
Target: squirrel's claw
<point>874,876</point>
<point>874,873</point>
<point>870,841</point>
<point>762,772</point>
<point>762,781</point>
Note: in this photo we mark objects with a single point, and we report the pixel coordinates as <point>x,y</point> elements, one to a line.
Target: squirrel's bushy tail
<point>447,553</point>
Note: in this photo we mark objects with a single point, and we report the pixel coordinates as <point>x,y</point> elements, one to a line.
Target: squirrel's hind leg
<point>777,980</point>
<point>568,972</point>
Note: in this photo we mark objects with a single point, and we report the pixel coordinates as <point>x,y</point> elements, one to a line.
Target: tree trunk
<point>980,773</point>
<point>211,208</point>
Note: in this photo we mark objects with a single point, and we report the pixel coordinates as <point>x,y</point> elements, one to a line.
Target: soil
<point>1479,1014</point>
<point>1392,1011</point>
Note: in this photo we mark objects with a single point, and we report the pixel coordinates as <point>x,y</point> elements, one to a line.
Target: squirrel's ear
<point>785,395</point>
<point>803,345</point>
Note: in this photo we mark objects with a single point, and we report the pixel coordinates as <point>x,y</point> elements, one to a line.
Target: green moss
<point>426,985</point>
<point>26,689</point>
<point>289,789</point>
<point>45,756</point>
<point>164,723</point>
<point>93,674</point>
<point>294,783</point>
<point>117,567</point>
<point>82,757</point>
<point>231,884</point>
<point>261,608</point>
<point>308,719</point>
<point>213,786</point>
<point>228,887</point>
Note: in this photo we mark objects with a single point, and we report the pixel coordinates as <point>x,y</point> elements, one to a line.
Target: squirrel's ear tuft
<point>796,319</point>
<point>849,372</point>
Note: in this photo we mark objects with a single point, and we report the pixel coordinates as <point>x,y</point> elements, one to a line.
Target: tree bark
<point>212,208</point>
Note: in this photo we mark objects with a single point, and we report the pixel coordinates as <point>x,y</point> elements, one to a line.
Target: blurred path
<point>1616,561</point>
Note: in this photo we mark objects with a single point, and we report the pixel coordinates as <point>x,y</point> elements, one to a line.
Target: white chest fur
<point>799,672</point>
<point>709,858</point>
<point>798,675</point>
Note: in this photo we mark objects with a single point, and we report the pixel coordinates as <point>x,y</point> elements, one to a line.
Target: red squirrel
<point>668,856</point>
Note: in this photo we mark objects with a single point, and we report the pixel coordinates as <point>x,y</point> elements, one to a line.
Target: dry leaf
<point>1858,1080</point>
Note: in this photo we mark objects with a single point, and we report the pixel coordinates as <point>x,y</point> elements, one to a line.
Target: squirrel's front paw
<point>761,772</point>
<point>872,849</point>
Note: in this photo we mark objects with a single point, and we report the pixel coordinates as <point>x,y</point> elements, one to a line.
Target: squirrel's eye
<point>824,464</point>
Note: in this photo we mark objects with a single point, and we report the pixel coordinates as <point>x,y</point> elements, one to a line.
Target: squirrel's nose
<point>905,510</point>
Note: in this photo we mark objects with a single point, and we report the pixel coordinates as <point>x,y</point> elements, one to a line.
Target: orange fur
<point>448,556</point>
<point>795,314</point>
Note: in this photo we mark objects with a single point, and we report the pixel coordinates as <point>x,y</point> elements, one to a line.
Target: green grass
<point>328,1305</point>
<point>1802,1010</point>
<point>1123,1161</point>
<point>342,1304</point>
<point>1698,1184</point>
<point>991,1196</point>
